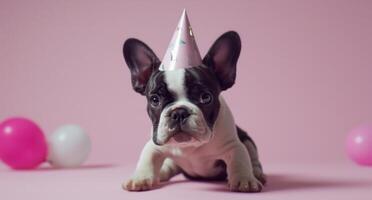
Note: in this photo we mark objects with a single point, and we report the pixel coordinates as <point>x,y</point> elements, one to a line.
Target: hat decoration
<point>182,51</point>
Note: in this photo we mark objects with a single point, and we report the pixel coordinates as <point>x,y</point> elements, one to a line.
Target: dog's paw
<point>260,175</point>
<point>140,184</point>
<point>245,184</point>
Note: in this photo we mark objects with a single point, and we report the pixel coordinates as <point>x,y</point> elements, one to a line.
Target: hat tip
<point>182,51</point>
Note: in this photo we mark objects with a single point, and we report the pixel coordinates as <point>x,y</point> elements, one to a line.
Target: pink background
<point>304,75</point>
<point>304,81</point>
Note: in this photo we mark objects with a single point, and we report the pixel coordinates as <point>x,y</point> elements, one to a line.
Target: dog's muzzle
<point>177,122</point>
<point>182,123</point>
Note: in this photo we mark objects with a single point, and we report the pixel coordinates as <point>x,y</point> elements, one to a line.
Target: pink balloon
<point>359,145</point>
<point>22,143</point>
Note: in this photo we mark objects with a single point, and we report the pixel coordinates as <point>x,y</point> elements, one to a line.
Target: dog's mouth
<point>183,133</point>
<point>180,134</point>
<point>182,137</point>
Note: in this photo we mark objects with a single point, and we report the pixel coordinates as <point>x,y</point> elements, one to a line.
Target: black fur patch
<point>199,80</point>
<point>243,136</point>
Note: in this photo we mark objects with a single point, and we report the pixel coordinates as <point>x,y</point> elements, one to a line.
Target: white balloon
<point>69,146</point>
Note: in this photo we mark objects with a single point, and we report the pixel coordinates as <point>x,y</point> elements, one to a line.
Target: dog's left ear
<point>222,58</point>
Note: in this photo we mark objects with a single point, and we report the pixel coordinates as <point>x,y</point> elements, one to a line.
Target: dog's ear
<point>222,58</point>
<point>141,61</point>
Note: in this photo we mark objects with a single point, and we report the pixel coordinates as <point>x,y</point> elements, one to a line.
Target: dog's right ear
<point>141,61</point>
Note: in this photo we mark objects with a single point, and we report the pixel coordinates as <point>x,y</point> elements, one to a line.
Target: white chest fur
<point>201,160</point>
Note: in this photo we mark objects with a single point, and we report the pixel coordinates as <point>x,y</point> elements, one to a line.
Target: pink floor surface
<point>295,181</point>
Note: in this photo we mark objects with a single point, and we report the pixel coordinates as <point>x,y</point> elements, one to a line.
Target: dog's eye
<point>205,98</point>
<point>154,100</point>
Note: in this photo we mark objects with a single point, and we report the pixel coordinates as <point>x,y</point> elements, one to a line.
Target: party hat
<point>182,51</point>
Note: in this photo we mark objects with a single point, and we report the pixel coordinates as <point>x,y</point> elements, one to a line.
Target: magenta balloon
<point>359,145</point>
<point>22,143</point>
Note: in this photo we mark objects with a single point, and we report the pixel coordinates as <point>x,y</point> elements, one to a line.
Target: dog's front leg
<point>240,171</point>
<point>146,175</point>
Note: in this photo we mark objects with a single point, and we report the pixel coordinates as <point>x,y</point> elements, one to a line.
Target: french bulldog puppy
<point>193,130</point>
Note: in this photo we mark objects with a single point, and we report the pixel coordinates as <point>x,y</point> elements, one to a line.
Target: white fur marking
<point>176,151</point>
<point>175,80</point>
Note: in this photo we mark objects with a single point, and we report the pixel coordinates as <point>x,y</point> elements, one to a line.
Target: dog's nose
<point>179,115</point>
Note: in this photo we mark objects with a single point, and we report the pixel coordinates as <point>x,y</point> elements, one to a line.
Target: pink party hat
<point>182,51</point>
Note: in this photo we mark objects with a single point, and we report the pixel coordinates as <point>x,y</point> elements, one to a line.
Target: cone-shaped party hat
<point>182,51</point>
